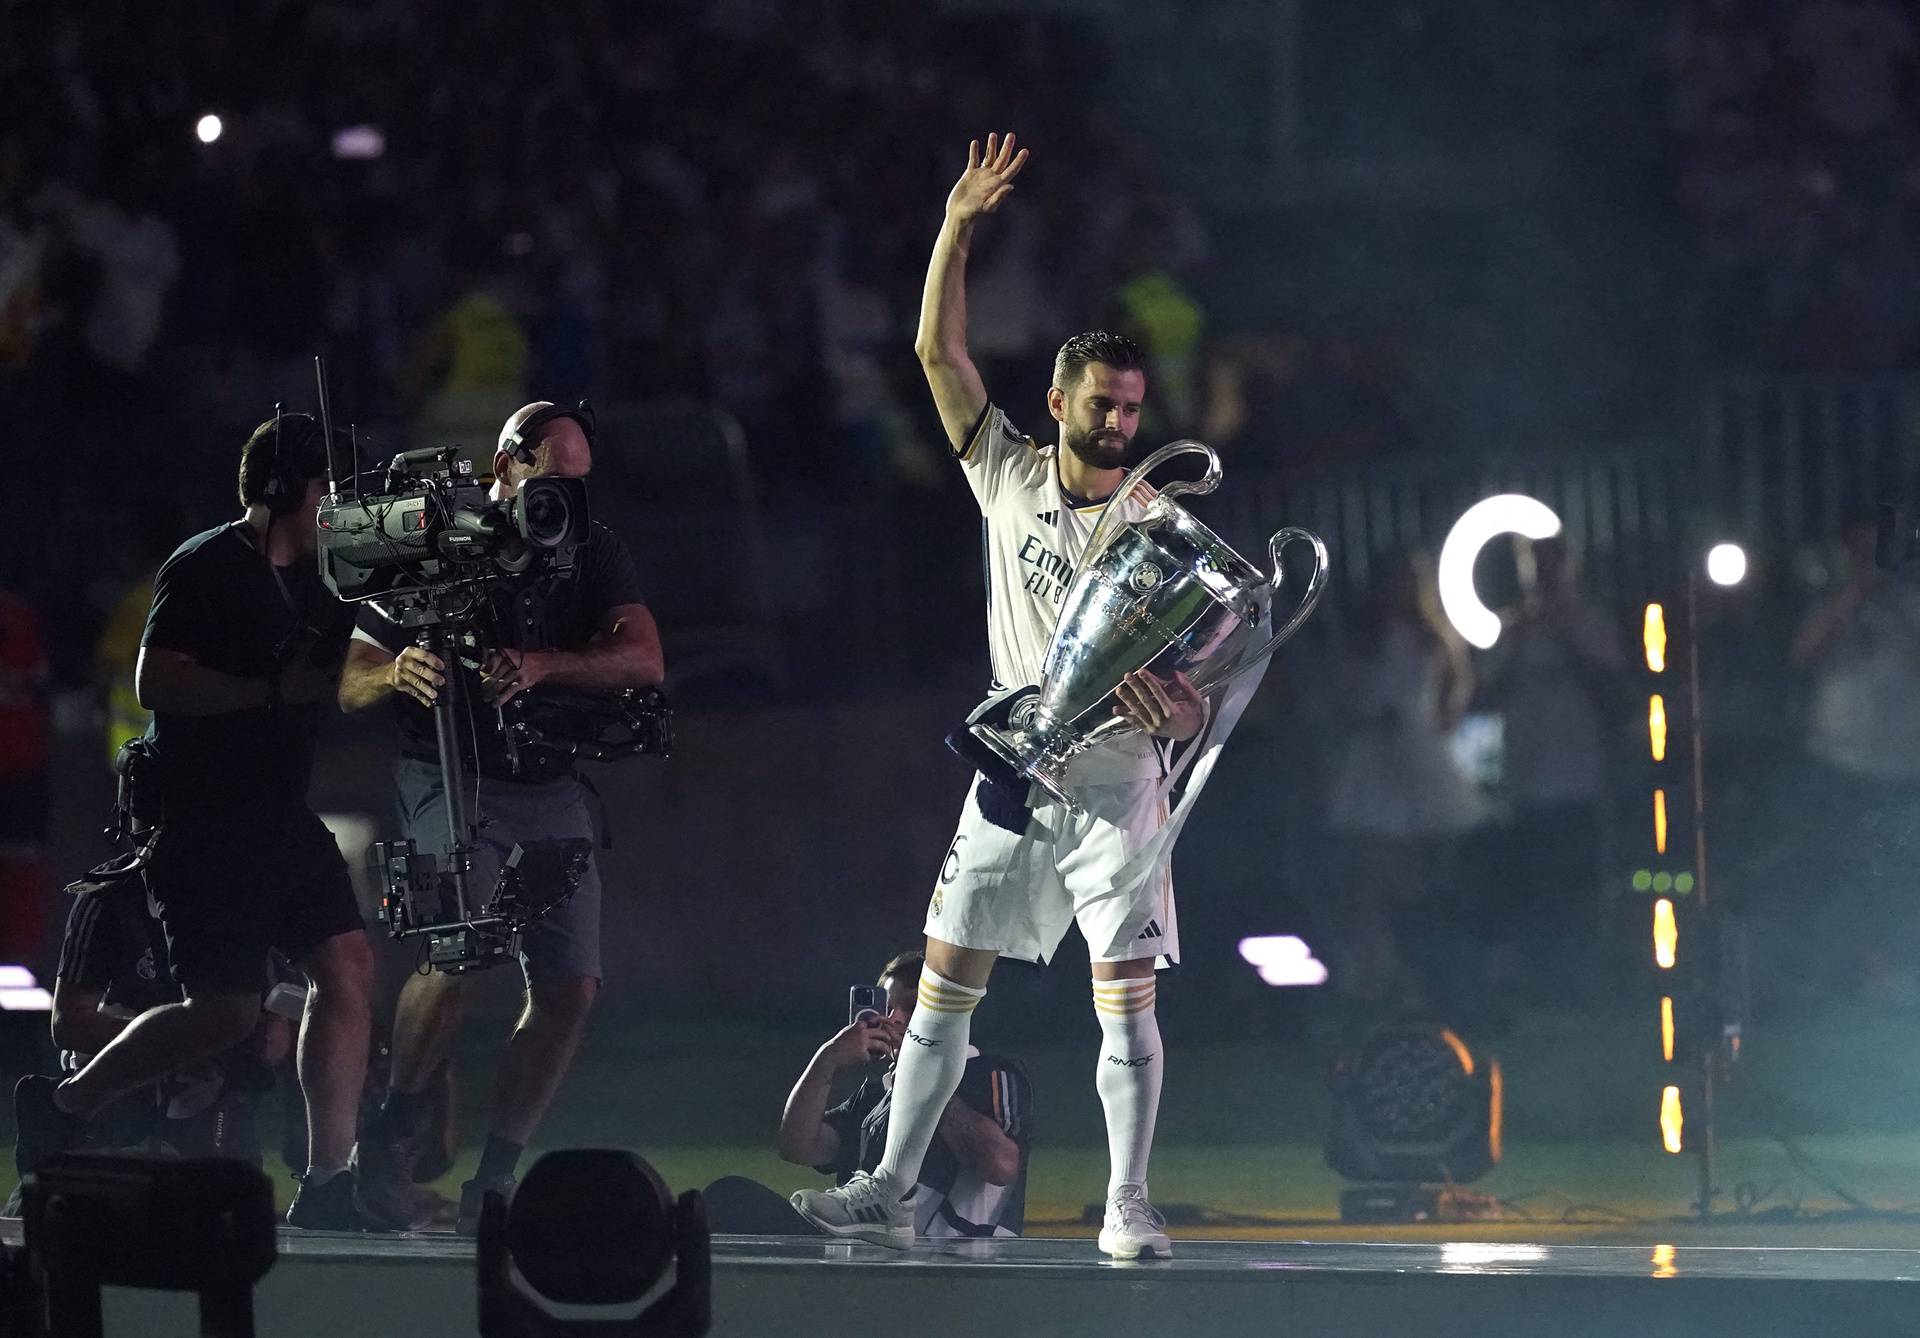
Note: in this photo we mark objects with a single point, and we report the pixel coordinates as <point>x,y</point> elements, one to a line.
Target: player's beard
<point>1101,448</point>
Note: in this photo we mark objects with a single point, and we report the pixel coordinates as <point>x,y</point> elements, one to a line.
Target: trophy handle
<point>1111,514</point>
<point>1316,586</point>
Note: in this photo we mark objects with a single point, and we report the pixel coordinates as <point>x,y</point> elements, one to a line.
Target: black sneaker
<point>472,1195</point>
<point>383,1162</point>
<point>331,1205</point>
<point>44,1130</point>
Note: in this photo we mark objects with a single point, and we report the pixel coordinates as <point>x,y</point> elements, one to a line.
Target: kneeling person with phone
<point>974,1180</point>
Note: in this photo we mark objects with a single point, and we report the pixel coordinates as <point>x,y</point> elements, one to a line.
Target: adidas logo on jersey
<point>1047,517</point>
<point>1151,931</point>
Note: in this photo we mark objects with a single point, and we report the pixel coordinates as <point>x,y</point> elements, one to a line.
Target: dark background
<point>1651,261</point>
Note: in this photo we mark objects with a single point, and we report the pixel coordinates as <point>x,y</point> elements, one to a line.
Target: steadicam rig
<point>421,898</point>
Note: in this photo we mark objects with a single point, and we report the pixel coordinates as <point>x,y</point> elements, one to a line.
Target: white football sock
<point>933,1056</point>
<point>1129,1076</point>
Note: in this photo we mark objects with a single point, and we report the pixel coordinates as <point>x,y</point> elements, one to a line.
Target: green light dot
<point>1683,883</point>
<point>1642,879</point>
<point>1663,882</point>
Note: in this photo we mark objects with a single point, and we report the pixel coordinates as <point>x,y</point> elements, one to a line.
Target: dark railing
<point>1786,459</point>
<point>1623,510</point>
<point>1776,463</point>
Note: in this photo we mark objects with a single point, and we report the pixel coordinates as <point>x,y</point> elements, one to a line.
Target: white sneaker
<point>1132,1227</point>
<point>866,1208</point>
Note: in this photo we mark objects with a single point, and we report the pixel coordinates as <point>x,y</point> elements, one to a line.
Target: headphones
<point>286,485</point>
<point>521,439</point>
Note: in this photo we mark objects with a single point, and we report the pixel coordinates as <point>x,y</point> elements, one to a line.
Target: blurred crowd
<point>467,206</point>
<point>470,206</point>
<point>1796,152</point>
<point>1461,826</point>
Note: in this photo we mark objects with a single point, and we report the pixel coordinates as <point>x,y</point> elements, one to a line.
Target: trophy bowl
<point>1161,592</point>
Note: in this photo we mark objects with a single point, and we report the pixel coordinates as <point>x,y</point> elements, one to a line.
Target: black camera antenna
<point>326,422</point>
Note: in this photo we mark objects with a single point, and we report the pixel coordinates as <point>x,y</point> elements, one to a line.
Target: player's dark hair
<point>905,964</point>
<point>305,453</point>
<point>1115,350</point>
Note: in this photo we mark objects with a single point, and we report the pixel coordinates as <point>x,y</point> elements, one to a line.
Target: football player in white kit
<point>1014,878</point>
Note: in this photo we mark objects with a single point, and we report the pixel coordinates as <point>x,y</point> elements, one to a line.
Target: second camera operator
<point>588,632</point>
<point>241,650</point>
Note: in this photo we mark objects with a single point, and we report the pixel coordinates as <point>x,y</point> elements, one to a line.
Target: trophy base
<point>1041,771</point>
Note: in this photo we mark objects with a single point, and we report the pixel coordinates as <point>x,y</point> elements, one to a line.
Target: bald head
<point>558,443</point>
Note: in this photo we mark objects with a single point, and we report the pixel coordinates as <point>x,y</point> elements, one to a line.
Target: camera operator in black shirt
<point>590,631</point>
<point>241,651</point>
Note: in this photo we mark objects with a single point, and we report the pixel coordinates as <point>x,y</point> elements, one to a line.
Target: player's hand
<point>987,180</point>
<point>1171,708</point>
<point>505,674</point>
<point>418,674</point>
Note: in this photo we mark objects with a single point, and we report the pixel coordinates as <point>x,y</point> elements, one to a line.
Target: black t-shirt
<point>115,947</point>
<point>557,613</point>
<point>219,601</point>
<point>951,1201</point>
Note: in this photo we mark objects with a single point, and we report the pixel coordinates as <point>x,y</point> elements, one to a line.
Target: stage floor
<point>421,1285</point>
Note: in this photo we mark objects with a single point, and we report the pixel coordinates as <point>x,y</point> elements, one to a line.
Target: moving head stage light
<point>1415,1114</point>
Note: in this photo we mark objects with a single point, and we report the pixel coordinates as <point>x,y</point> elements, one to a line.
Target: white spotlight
<point>21,993</point>
<point>364,142</point>
<point>208,128</point>
<point>1283,959</point>
<point>1726,564</point>
<point>1509,513</point>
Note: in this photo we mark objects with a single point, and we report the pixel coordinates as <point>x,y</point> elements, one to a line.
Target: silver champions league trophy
<point>1161,592</point>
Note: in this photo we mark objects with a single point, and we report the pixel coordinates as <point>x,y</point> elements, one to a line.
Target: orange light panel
<point>1654,637</point>
<point>1670,1119</point>
<point>1666,934</point>
<point>1666,1027</point>
<point>1660,821</point>
<point>1657,726</point>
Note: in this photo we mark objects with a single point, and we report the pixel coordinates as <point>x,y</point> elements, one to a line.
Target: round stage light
<point>1508,513</point>
<point>208,128</point>
<point>1726,564</point>
<point>595,1227</point>
<point>1415,1105</point>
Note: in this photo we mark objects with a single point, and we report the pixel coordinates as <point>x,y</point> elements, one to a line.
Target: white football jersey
<point>1033,533</point>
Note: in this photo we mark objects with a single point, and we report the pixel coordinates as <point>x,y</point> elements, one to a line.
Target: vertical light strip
<point>1660,821</point>
<point>1666,1027</point>
<point>1654,637</point>
<point>1657,726</point>
<point>1666,935</point>
<point>1671,1122</point>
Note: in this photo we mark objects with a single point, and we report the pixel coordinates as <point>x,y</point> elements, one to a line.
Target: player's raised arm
<point>941,342</point>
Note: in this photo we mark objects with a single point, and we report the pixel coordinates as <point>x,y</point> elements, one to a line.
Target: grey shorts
<point>563,945</point>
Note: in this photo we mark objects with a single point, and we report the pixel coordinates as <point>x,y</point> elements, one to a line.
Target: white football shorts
<point>1016,893</point>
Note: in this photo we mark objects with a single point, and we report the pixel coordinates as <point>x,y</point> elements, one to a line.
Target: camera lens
<point>548,516</point>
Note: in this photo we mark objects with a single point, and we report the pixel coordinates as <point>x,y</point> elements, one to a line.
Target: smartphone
<point>866,1001</point>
